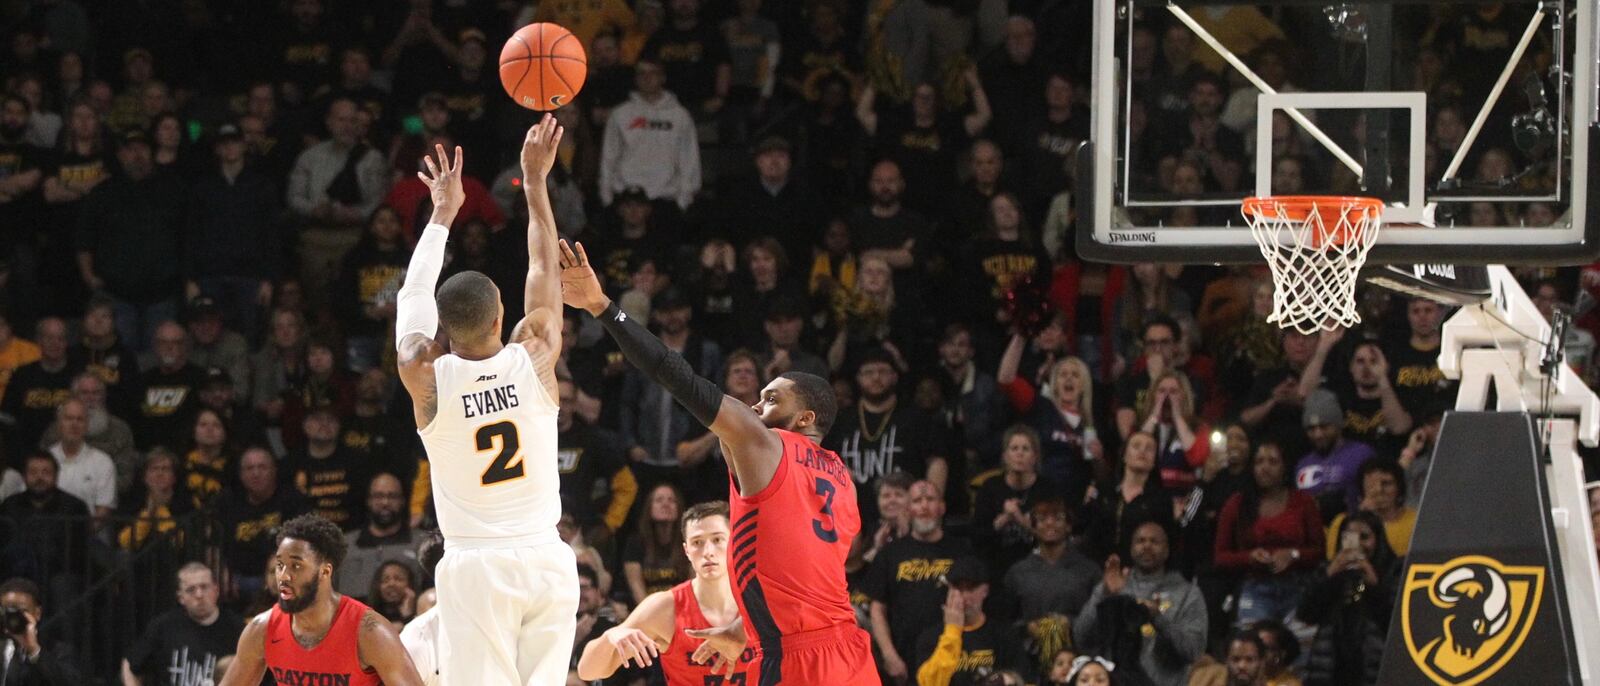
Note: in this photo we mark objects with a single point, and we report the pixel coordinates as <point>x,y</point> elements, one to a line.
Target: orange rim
<point>1298,208</point>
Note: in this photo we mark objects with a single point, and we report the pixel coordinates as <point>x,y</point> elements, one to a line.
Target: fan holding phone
<point>1357,541</point>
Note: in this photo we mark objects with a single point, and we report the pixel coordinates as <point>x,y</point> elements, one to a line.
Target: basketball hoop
<point>1315,246</point>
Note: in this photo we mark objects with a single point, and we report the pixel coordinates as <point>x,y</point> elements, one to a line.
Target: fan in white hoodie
<point>650,142</point>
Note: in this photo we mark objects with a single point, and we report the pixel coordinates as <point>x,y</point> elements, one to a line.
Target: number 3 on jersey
<point>716,680</point>
<point>823,526</point>
<point>501,469</point>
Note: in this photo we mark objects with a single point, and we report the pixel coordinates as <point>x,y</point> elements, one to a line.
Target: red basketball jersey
<point>677,661</point>
<point>789,545</point>
<point>334,660</point>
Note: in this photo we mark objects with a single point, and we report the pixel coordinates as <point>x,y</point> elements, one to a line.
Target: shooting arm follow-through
<point>415,311</point>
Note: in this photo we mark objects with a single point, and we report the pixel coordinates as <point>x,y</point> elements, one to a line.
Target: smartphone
<point>1350,540</point>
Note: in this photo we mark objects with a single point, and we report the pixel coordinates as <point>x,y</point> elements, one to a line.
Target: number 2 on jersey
<point>825,530</point>
<point>501,469</point>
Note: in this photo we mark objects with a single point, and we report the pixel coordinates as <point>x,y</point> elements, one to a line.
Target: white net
<point>1315,247</point>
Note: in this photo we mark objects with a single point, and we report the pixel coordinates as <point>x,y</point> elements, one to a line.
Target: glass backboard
<point>1472,121</point>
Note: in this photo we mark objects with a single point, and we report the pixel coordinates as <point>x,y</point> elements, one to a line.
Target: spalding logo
<point>527,101</point>
<point>1466,618</point>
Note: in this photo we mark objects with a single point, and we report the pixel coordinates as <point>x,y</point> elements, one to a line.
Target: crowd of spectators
<point>1068,472</point>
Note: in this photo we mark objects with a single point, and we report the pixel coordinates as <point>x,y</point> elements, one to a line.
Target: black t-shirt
<point>907,577</point>
<point>335,485</point>
<point>690,58</point>
<point>370,276</point>
<point>586,455</point>
<point>368,98</point>
<point>1049,146</point>
<point>20,158</point>
<point>927,155</point>
<point>469,102</point>
<point>874,445</point>
<point>615,253</point>
<point>989,648</point>
<point>134,230</point>
<point>1363,421</point>
<point>72,167</point>
<point>1014,541</point>
<point>660,575</point>
<point>31,399</point>
<point>1417,380</point>
<point>1283,423</point>
<point>1131,390</point>
<point>474,107</point>
<point>814,59</point>
<point>175,650</point>
<point>16,158</point>
<point>991,267</point>
<point>117,367</point>
<point>834,153</point>
<point>167,402</point>
<point>304,57</point>
<point>248,529</point>
<point>53,528</point>
<point>383,443</point>
<point>871,232</point>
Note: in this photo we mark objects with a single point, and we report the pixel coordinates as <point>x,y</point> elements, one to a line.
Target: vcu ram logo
<point>1466,618</point>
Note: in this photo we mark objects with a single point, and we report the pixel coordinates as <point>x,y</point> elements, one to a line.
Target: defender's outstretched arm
<point>752,449</point>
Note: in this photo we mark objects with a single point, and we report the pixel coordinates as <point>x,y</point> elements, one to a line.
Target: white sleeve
<point>105,486</point>
<point>689,178</point>
<point>415,311</point>
<point>420,638</point>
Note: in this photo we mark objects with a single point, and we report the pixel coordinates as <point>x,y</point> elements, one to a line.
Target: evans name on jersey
<point>498,399</point>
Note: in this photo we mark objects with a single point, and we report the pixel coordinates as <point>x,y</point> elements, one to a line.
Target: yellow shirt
<point>586,18</point>
<point>822,269</point>
<point>15,354</point>
<point>1287,678</point>
<point>1398,532</point>
<point>1239,29</point>
<point>420,490</point>
<point>632,45</point>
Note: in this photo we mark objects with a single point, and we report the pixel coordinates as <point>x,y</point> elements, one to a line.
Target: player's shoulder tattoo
<point>372,621</point>
<point>413,346</point>
<point>428,404</point>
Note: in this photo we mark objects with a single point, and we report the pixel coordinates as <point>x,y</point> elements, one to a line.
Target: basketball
<point>542,66</point>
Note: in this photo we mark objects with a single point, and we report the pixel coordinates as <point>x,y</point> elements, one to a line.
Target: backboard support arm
<point>1498,344</point>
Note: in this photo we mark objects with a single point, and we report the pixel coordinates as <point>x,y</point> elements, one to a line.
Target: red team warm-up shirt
<point>335,660</point>
<point>677,661</point>
<point>787,556</point>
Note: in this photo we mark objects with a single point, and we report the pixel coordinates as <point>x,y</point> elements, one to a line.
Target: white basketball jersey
<point>492,449</point>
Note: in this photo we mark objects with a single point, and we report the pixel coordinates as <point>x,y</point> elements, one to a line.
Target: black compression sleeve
<point>700,397</point>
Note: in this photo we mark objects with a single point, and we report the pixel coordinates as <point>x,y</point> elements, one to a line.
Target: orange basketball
<point>543,66</point>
